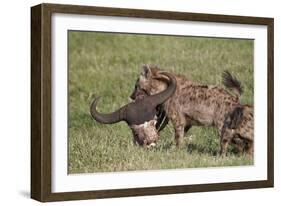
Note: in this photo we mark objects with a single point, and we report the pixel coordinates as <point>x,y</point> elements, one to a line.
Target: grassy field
<point>107,65</point>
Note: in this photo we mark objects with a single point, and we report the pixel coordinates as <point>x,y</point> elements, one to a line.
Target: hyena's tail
<point>232,83</point>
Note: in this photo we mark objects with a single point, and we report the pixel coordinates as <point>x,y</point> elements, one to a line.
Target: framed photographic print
<point>130,102</point>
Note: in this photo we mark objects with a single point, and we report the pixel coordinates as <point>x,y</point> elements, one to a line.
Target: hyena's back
<point>199,104</point>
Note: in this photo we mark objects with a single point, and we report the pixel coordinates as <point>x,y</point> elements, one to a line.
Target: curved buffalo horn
<point>161,97</point>
<point>138,112</point>
<point>106,118</point>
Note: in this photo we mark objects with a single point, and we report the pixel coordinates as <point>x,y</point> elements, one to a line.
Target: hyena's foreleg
<point>224,142</point>
<point>225,138</point>
<point>179,124</point>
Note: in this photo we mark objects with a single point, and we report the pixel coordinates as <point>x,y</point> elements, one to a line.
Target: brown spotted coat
<point>192,104</point>
<point>238,129</point>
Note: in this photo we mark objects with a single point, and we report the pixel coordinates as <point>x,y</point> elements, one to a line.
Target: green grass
<point>107,65</point>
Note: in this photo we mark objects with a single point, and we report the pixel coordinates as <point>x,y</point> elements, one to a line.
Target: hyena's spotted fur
<point>239,129</point>
<point>193,104</point>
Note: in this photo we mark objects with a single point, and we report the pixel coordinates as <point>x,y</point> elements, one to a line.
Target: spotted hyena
<point>239,129</point>
<point>193,104</point>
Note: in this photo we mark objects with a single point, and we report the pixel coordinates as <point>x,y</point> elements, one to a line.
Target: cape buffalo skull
<point>140,114</point>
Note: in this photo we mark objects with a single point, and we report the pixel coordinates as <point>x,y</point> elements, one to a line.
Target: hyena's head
<point>150,81</point>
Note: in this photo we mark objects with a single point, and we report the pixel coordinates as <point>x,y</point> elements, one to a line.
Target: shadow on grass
<point>167,146</point>
<point>189,147</point>
<point>200,149</point>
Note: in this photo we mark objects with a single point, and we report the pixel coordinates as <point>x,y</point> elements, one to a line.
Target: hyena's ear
<point>146,71</point>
